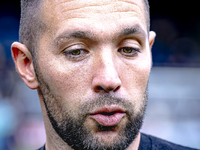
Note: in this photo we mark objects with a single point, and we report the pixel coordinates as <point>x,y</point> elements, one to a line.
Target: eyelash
<point>133,51</point>
<point>79,53</point>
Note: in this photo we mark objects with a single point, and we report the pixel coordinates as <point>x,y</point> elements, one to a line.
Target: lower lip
<point>108,120</point>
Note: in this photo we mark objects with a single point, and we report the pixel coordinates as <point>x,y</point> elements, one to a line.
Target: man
<point>90,62</point>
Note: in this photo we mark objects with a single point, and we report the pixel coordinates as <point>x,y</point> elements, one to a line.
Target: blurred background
<point>173,111</point>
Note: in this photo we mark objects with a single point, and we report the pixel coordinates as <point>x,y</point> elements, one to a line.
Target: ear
<point>24,64</point>
<point>152,36</point>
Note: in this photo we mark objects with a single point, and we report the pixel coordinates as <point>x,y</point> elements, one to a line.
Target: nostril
<point>106,83</point>
<point>106,89</point>
<point>116,89</point>
<point>99,88</point>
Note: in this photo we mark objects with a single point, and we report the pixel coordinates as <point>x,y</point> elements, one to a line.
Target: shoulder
<point>154,143</point>
<point>42,148</point>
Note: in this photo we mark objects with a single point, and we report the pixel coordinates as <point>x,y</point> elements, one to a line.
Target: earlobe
<point>152,36</point>
<point>24,64</point>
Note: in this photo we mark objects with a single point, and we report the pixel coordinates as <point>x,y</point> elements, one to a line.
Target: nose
<point>106,77</point>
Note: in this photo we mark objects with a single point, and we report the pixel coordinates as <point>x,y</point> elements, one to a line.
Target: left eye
<point>75,52</point>
<point>129,51</point>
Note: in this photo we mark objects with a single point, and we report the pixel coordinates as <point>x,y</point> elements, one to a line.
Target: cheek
<point>134,81</point>
<point>68,83</point>
<point>135,76</point>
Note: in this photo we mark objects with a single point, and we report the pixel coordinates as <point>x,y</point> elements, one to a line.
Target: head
<point>32,25</point>
<point>90,62</point>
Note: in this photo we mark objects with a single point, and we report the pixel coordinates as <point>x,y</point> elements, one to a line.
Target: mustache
<point>105,100</point>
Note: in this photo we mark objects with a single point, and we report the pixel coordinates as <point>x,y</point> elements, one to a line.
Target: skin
<point>99,67</point>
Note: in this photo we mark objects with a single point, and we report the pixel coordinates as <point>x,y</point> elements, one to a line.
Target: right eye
<point>74,52</point>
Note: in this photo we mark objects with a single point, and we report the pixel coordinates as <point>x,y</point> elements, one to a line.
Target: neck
<point>53,140</point>
<point>135,144</point>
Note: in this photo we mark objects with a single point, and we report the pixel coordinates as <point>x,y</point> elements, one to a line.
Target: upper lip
<point>108,109</point>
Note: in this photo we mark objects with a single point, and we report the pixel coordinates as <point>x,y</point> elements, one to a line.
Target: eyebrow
<point>66,35</point>
<point>132,30</point>
<point>79,34</point>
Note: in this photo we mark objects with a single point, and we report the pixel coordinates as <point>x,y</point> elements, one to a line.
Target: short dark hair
<point>32,26</point>
<point>147,10</point>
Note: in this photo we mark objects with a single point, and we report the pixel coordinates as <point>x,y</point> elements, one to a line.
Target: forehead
<point>98,14</point>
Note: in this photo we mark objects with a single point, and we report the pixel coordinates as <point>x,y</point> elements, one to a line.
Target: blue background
<point>173,111</point>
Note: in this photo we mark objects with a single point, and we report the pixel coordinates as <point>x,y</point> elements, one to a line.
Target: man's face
<point>93,66</point>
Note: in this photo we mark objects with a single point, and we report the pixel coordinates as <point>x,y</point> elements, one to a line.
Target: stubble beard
<point>72,129</point>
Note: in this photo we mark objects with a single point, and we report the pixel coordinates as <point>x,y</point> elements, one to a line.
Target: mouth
<point>108,116</point>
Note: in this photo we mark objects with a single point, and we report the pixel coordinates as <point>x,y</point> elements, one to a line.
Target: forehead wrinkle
<point>116,6</point>
<point>83,10</point>
<point>76,18</point>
